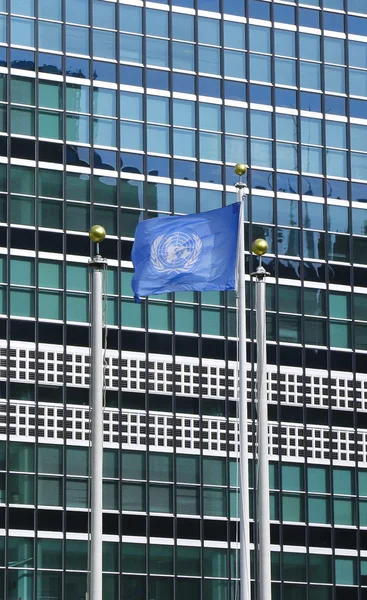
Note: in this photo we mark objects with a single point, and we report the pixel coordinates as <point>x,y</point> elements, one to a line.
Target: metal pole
<point>263,443</point>
<point>97,265</point>
<point>245,572</point>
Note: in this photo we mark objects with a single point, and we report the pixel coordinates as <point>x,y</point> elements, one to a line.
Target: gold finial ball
<point>240,169</point>
<point>259,247</point>
<point>97,233</point>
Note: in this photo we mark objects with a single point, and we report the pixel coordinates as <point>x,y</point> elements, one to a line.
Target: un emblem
<point>175,253</point>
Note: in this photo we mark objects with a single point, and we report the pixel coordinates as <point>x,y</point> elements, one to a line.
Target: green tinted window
<point>318,479</point>
<point>187,469</point>
<point>343,481</point>
<point>339,305</point>
<point>77,187</point>
<point>50,459</point>
<point>188,561</point>
<point>76,555</point>
<point>133,496</point>
<point>289,299</point>
<point>49,491</point>
<point>50,183</point>
<point>344,511</point>
<point>110,495</point>
<point>161,559</point>
<point>159,316</point>
<point>22,303</point>
<point>186,318</point>
<point>133,558</point>
<point>215,502</point>
<point>319,509</point>
<point>320,570</point>
<point>314,301</point>
<point>50,95</point>
<point>22,121</point>
<point>345,571</point>
<point>22,90</point>
<point>77,308</point>
<point>161,498</point>
<point>292,477</point>
<point>50,305</point>
<point>77,493</point>
<point>77,461</point>
<point>110,463</point>
<point>77,277</point>
<point>215,562</point>
<point>49,553</point>
<point>22,271</point>
<point>20,489</point>
<point>133,465</point>
<point>214,471</point>
<point>187,500</point>
<point>49,274</point>
<point>132,314</point>
<point>294,566</point>
<point>21,457</point>
<point>293,507</point>
<point>160,467</point>
<point>21,180</point>
<point>212,321</point>
<point>21,210</point>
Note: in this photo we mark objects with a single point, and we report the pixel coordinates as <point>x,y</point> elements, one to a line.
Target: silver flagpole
<point>259,247</point>
<point>98,265</point>
<point>245,572</point>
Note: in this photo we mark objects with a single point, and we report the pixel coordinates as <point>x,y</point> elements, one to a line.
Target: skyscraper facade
<point>111,112</point>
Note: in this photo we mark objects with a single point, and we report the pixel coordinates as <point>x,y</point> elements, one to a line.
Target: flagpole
<point>245,571</point>
<point>259,247</point>
<point>98,265</point>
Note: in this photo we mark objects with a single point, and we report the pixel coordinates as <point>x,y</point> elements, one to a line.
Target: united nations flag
<point>189,253</point>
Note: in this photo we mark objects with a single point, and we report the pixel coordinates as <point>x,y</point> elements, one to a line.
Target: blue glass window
<point>262,209</point>
<point>210,146</point>
<point>158,139</point>
<point>234,35</point>
<point>285,71</point>
<point>210,199</point>
<point>310,75</point>
<point>358,137</point>
<point>104,102</point>
<point>334,50</point>
<point>336,134</point>
<point>22,31</point>
<point>23,7</point>
<point>157,80</point>
<point>357,25</point>
<point>131,75</point>
<point>209,60</point>
<point>357,83</point>
<point>285,98</point>
<point>261,124</point>
<point>158,166</point>
<point>336,189</point>
<point>104,71</point>
<point>287,183</point>
<point>260,39</point>
<point>183,83</point>
<point>208,31</point>
<point>284,42</point>
<point>235,120</point>
<point>260,94</point>
<point>309,18</point>
<point>234,64</point>
<point>184,143</point>
<point>284,14</point>
<point>287,157</point>
<point>157,110</point>
<point>357,54</point>
<point>234,90</point>
<point>286,128</point>
<point>209,87</point>
<point>259,10</point>
<point>261,153</point>
<point>131,106</point>
<point>311,159</point>
<point>310,102</point>
<point>312,186</point>
<point>236,149</point>
<point>130,18</point>
<point>131,135</point>
<point>131,48</point>
<point>157,52</point>
<point>77,129</point>
<point>183,56</point>
<point>357,6</point>
<point>210,117</point>
<point>184,199</point>
<point>309,46</point>
<point>104,43</point>
<point>157,22</point>
<point>234,7</point>
<point>182,27</point>
<point>3,33</point>
<point>260,68</point>
<point>184,169</point>
<point>334,105</point>
<point>359,166</point>
<point>312,215</point>
<point>49,10</point>
<point>77,11</point>
<point>311,131</point>
<point>104,14</point>
<point>336,163</point>
<point>183,113</point>
<point>104,131</point>
<point>334,79</point>
<point>77,40</point>
<point>49,35</point>
<point>77,98</point>
<point>334,22</point>
<point>337,4</point>
<point>338,219</point>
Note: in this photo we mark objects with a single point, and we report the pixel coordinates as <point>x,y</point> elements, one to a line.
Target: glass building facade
<point>111,112</point>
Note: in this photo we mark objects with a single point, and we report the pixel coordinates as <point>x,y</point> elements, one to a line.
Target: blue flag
<point>189,253</point>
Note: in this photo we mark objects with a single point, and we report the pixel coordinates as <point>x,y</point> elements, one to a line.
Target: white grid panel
<point>211,379</point>
<point>186,433</point>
